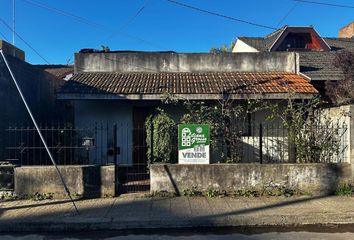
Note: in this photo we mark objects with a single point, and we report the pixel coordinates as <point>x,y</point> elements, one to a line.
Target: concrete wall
<point>11,50</point>
<point>344,116</point>
<point>185,62</point>
<point>84,181</point>
<point>39,89</point>
<point>311,178</point>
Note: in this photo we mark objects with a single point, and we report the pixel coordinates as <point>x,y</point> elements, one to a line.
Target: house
<point>39,88</point>
<point>316,53</point>
<point>123,88</point>
<point>61,71</point>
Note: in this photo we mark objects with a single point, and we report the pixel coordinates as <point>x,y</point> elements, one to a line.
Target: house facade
<point>123,88</point>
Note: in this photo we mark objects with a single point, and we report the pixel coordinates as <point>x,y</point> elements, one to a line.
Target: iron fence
<point>276,144</point>
<point>125,145</point>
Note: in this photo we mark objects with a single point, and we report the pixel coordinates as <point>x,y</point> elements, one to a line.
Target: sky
<point>58,29</point>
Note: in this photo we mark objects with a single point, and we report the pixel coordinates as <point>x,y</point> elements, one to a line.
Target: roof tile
<point>187,83</point>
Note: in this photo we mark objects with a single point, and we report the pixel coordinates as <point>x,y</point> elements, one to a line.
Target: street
<point>263,236</point>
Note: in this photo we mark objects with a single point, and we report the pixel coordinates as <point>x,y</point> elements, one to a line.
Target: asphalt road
<point>263,236</point>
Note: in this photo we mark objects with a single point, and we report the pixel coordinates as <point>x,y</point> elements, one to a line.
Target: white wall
<point>241,46</point>
<point>104,114</point>
<point>344,115</point>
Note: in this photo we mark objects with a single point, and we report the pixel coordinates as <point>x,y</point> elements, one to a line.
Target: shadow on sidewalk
<point>139,210</point>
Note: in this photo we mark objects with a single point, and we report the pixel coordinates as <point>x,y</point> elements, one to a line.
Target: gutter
<point>148,97</point>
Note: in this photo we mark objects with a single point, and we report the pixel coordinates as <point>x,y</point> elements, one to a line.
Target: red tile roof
<point>187,83</point>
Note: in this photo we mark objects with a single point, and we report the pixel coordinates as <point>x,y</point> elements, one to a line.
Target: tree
<point>223,49</point>
<point>342,92</point>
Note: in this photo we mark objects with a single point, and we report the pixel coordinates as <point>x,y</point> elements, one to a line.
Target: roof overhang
<point>265,96</point>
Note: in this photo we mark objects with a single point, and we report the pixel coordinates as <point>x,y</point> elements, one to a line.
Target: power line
<point>220,15</point>
<point>23,40</point>
<point>325,4</point>
<point>65,13</point>
<point>89,22</point>
<point>126,24</point>
<point>288,13</point>
<point>4,36</point>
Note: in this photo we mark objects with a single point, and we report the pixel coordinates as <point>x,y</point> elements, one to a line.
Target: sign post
<point>193,144</point>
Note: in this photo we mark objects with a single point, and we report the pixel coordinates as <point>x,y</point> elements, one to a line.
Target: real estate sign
<point>193,144</point>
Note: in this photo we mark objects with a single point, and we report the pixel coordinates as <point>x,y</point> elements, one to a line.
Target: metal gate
<point>135,176</point>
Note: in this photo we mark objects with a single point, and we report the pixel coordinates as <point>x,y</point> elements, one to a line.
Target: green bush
<point>164,139</point>
<point>344,189</point>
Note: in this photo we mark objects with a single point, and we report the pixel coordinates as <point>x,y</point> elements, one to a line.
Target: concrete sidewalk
<point>139,213</point>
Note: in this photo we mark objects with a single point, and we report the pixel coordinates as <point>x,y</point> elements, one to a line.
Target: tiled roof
<point>263,44</point>
<point>60,71</point>
<point>258,43</point>
<point>187,83</point>
<point>319,66</point>
<point>339,43</point>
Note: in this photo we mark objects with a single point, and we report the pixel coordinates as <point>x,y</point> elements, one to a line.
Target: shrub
<point>344,189</point>
<point>164,139</point>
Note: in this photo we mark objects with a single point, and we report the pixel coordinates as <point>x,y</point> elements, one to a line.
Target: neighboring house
<point>125,87</point>
<point>38,87</point>
<point>316,53</point>
<point>61,71</point>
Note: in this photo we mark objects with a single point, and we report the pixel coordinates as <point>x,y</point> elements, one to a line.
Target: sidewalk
<point>130,212</point>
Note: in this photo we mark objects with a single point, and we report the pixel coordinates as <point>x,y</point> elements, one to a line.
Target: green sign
<point>193,144</point>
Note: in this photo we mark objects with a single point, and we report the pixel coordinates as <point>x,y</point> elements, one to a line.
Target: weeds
<point>214,192</point>
<point>344,189</point>
<point>190,192</point>
<point>162,194</point>
<point>41,196</point>
<point>246,193</point>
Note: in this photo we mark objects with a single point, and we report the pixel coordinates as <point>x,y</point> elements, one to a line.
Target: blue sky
<point>160,26</point>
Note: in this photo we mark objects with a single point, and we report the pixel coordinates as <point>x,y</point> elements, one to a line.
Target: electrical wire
<point>3,35</point>
<point>288,13</point>
<point>90,23</point>
<point>220,15</point>
<point>65,13</point>
<point>126,24</point>
<point>24,41</point>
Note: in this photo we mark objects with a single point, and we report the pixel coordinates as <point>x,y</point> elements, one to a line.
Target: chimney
<point>11,50</point>
<point>347,31</point>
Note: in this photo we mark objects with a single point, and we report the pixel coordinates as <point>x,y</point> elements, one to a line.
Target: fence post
<point>115,147</point>
<point>152,140</point>
<point>291,148</point>
<point>260,143</point>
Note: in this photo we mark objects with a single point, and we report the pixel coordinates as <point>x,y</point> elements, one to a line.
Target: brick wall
<point>347,31</point>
